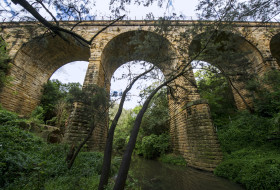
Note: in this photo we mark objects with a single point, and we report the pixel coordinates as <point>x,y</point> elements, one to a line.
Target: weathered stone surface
<point>35,56</point>
<point>50,134</point>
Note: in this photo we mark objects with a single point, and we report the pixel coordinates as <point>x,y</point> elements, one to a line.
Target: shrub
<point>28,163</point>
<point>255,169</point>
<point>245,130</point>
<point>17,154</point>
<point>7,116</point>
<point>249,158</point>
<point>37,115</point>
<point>154,145</point>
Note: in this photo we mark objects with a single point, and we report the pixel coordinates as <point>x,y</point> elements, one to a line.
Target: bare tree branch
<point>46,9</point>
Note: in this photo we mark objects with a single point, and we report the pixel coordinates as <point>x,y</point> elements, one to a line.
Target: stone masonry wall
<point>203,150</point>
<point>78,128</point>
<point>191,127</point>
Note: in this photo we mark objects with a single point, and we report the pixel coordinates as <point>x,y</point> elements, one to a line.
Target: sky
<point>75,71</point>
<point>180,7</point>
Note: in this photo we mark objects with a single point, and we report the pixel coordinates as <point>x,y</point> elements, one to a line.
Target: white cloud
<point>71,72</point>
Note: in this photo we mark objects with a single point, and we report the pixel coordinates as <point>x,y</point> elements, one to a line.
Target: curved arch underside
<point>227,51</point>
<point>34,64</point>
<point>234,56</point>
<point>138,46</point>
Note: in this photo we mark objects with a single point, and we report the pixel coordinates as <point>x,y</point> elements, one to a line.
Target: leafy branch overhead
<point>71,12</point>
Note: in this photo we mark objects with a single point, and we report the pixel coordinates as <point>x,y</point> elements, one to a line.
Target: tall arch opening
<point>190,135</point>
<point>214,87</point>
<point>236,58</point>
<point>34,64</point>
<point>125,74</point>
<point>135,46</point>
<point>155,121</point>
<point>60,92</point>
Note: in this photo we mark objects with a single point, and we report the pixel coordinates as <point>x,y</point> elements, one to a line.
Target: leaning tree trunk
<point>109,143</point>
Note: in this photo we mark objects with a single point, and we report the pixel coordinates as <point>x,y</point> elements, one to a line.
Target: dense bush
<point>27,162</point>
<point>155,120</point>
<point>153,145</point>
<point>6,116</point>
<point>57,99</point>
<point>250,158</point>
<point>255,168</point>
<point>245,130</point>
<point>266,93</point>
<point>123,128</point>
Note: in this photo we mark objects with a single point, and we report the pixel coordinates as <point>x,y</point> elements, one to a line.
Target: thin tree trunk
<point>123,171</point>
<point>109,143</point>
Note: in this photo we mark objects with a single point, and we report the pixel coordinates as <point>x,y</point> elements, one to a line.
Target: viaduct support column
<point>191,127</point>
<point>78,125</point>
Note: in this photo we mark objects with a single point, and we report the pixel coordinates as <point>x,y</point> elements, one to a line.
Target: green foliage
<point>74,92</point>
<point>29,163</point>
<point>4,63</point>
<point>153,145</point>
<point>57,100</point>
<point>155,120</point>
<point>213,87</point>
<point>37,115</point>
<point>7,116</point>
<point>17,158</point>
<point>76,182</point>
<point>249,157</point>
<point>245,130</point>
<point>173,159</point>
<point>124,127</point>
<point>51,94</point>
<point>153,138</point>
<point>266,93</point>
<point>255,168</point>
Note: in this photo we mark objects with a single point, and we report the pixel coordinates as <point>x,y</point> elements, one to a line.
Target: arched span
<point>34,64</point>
<point>210,45</point>
<point>138,45</point>
<point>189,137</point>
<point>237,58</point>
<point>49,52</point>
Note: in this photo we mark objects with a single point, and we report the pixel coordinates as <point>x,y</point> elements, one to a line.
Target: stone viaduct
<point>36,55</point>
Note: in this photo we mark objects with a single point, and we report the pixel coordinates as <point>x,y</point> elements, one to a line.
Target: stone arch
<point>275,47</point>
<point>137,45</point>
<point>190,137</point>
<point>33,65</point>
<point>234,56</point>
<point>151,47</point>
